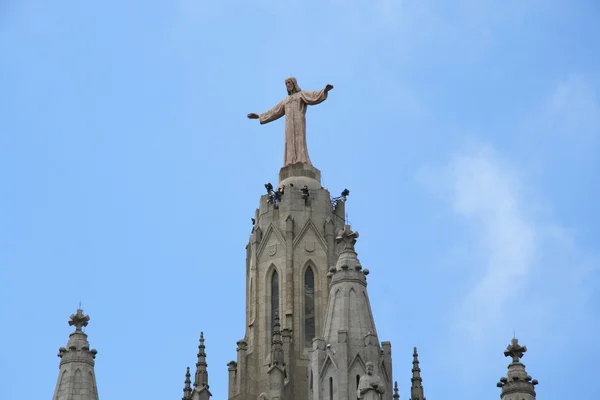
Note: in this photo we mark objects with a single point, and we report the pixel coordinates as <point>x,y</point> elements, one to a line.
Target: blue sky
<point>468,133</point>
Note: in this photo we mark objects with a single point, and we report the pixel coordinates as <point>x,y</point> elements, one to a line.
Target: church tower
<point>299,257</point>
<point>76,377</point>
<point>289,254</point>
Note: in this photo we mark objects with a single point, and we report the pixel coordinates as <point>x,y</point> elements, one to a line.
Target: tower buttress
<point>76,377</point>
<point>517,385</point>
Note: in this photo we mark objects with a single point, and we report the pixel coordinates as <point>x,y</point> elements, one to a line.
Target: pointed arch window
<point>309,306</point>
<point>274,296</point>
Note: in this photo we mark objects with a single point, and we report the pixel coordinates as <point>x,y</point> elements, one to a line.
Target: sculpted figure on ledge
<point>294,108</point>
<point>370,387</point>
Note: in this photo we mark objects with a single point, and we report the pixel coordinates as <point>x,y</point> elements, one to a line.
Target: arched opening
<point>357,381</point>
<point>309,306</point>
<point>274,296</point>
<point>330,388</point>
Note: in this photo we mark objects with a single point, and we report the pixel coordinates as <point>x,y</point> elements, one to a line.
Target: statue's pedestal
<point>300,174</point>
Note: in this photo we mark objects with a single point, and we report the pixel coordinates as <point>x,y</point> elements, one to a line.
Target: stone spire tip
<point>201,377</point>
<point>187,388</point>
<point>396,396</point>
<point>347,238</point>
<point>515,350</point>
<point>79,320</point>
<point>416,390</point>
<point>517,380</point>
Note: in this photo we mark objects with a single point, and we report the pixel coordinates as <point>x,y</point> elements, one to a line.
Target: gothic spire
<point>276,343</point>
<point>348,277</point>
<point>416,389</point>
<point>201,378</point>
<point>396,396</point>
<point>76,375</point>
<point>187,389</point>
<point>517,382</point>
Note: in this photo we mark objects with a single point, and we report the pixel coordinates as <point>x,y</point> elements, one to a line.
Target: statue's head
<point>291,84</point>
<point>369,368</point>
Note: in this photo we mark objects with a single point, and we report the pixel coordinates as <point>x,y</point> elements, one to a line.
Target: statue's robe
<point>368,391</point>
<point>294,108</point>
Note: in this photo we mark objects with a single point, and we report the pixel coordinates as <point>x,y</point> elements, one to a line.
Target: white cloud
<point>573,105</point>
<point>525,270</point>
<point>489,195</point>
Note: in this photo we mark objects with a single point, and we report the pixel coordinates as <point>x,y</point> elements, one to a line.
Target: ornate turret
<point>416,389</point>
<point>201,391</point>
<point>348,360</point>
<point>76,378</point>
<point>517,384</point>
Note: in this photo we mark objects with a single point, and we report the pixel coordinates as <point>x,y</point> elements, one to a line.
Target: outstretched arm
<point>274,113</point>
<point>316,97</point>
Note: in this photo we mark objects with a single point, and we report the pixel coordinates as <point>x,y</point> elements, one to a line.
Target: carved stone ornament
<point>272,249</point>
<point>370,386</point>
<point>309,246</point>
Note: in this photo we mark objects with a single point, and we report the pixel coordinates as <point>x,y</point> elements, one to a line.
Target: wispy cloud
<point>574,106</point>
<point>526,270</point>
<point>489,195</point>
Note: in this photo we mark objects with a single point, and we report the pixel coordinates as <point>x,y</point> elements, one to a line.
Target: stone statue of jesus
<point>294,109</point>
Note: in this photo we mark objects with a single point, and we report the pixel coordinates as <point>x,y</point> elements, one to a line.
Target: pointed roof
<point>76,370</point>
<point>348,308</point>
<point>416,389</point>
<point>516,381</point>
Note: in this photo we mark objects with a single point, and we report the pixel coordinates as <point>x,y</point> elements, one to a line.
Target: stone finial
<point>79,320</point>
<point>396,396</point>
<point>77,362</point>
<point>276,343</point>
<point>416,389</point>
<point>187,388</point>
<point>516,382</point>
<point>347,238</point>
<point>515,350</point>
<point>201,377</point>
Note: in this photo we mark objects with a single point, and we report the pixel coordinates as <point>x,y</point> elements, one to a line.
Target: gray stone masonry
<point>349,340</point>
<point>517,385</point>
<point>286,241</point>
<point>416,387</point>
<point>76,377</point>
